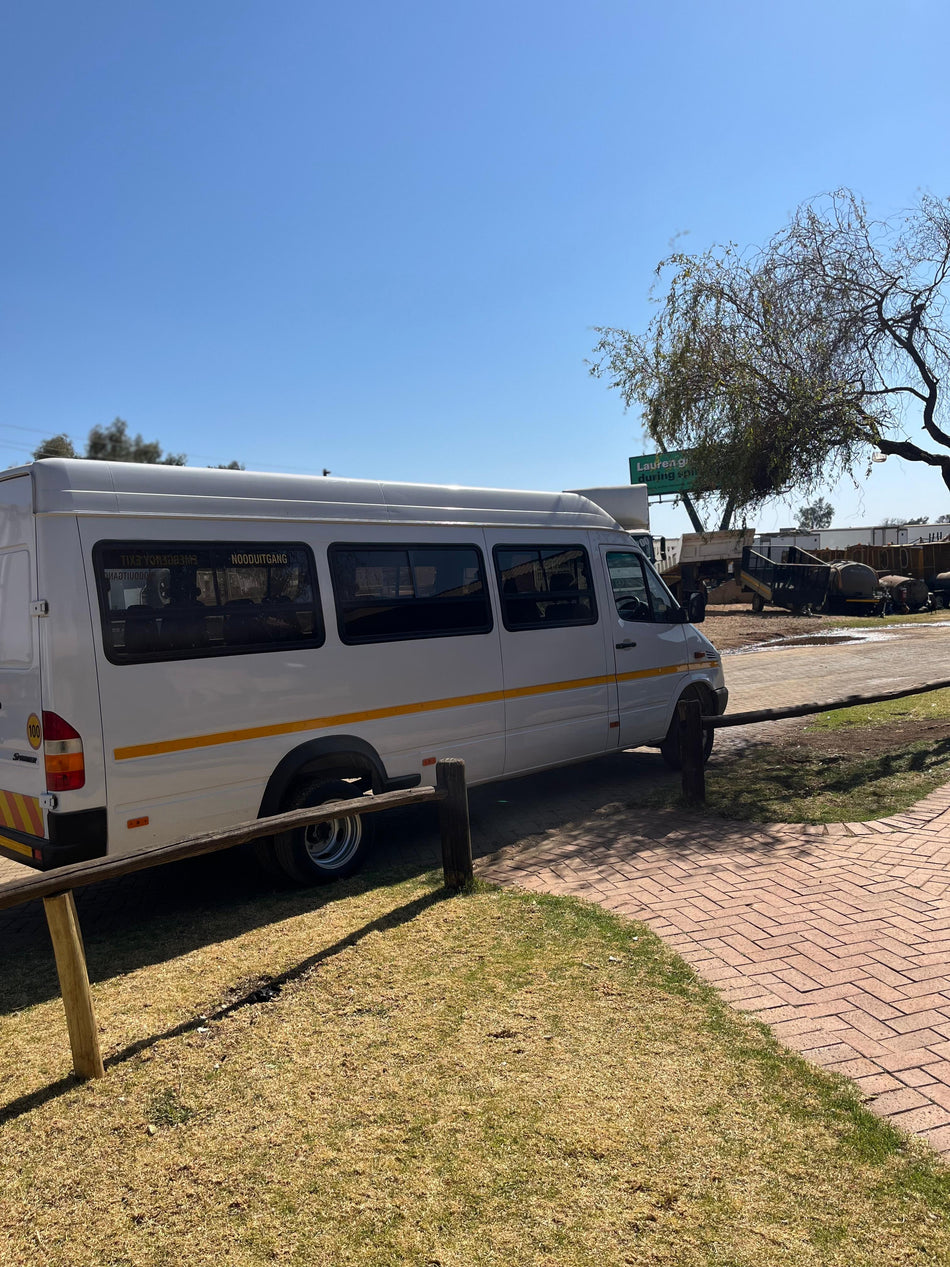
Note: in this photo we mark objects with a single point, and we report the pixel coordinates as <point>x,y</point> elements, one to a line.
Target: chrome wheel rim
<point>333,844</point>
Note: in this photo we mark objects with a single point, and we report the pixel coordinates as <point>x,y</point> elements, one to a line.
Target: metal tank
<point>853,588</point>
<point>907,591</point>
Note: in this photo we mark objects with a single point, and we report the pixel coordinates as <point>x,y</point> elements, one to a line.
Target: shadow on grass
<point>263,991</point>
<point>768,776</point>
<point>157,915</point>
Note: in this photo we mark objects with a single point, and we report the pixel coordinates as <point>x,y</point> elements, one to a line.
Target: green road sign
<point>663,472</point>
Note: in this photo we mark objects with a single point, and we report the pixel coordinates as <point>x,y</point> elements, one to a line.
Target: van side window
<point>543,587</point>
<point>665,607</point>
<point>387,593</point>
<point>16,629</point>
<point>183,600</point>
<point>638,591</point>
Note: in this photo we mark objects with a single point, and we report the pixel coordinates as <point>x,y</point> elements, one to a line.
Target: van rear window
<point>543,587</point>
<point>182,600</point>
<point>387,593</point>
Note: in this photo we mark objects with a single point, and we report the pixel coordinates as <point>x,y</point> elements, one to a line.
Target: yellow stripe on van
<point>398,710</point>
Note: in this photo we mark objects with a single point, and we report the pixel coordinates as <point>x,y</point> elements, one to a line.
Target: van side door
<point>649,646</point>
<point>557,686</point>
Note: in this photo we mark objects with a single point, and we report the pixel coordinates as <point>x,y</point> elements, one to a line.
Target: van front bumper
<point>722,699</point>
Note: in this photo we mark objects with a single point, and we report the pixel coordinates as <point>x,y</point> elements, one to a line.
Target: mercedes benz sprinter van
<point>184,649</point>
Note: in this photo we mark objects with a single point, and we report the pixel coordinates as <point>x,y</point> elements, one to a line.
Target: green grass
<point>796,784</point>
<point>939,617</point>
<point>930,706</point>
<point>489,1079</point>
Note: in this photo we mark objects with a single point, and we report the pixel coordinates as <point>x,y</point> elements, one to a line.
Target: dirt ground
<point>870,742</point>
<point>734,625</point>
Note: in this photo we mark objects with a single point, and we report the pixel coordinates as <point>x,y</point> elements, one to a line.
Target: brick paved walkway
<point>838,937</point>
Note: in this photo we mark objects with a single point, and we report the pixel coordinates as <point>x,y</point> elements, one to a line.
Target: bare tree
<point>785,367</point>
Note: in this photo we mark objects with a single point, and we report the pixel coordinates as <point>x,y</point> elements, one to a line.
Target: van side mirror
<point>696,607</point>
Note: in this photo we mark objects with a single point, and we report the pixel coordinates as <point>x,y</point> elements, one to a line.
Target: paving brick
<point>825,1053</point>
<point>893,1102</point>
<point>938,1092</point>
<point>939,1138</point>
<point>873,1048</point>
<point>916,1021</point>
<point>867,1025</point>
<point>857,1067</point>
<point>876,1083</point>
<point>940,1071</point>
<point>925,1118</point>
<point>918,1077</point>
<point>914,1040</point>
<point>797,979</point>
<point>863,1001</point>
<point>924,1003</point>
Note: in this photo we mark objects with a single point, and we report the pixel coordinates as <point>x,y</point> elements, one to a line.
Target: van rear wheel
<point>670,748</point>
<point>326,851</point>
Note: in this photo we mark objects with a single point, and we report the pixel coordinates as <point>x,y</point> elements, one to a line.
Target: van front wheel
<point>323,851</point>
<point>670,748</point>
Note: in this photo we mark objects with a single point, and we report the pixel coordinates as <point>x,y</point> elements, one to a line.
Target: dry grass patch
<point>489,1079</point>
<point>846,765</point>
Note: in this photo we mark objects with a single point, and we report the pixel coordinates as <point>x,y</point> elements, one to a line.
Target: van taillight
<point>62,750</point>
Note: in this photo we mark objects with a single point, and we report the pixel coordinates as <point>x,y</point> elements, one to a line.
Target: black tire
<point>325,851</point>
<point>670,748</point>
<point>758,602</point>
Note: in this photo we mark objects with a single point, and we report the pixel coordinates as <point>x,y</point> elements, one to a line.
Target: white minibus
<point>185,649</point>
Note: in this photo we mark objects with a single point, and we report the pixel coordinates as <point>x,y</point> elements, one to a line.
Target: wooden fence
<point>56,887</point>
<point>693,724</point>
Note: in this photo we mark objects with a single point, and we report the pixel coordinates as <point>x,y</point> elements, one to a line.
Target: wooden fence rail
<point>693,723</point>
<point>56,887</point>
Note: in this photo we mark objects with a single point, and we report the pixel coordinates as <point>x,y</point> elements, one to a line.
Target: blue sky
<point>376,237</point>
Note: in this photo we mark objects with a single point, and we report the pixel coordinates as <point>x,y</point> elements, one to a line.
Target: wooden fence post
<point>74,984</point>
<point>453,823</point>
<point>691,750</point>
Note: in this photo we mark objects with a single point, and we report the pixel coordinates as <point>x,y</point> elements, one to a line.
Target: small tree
<point>942,519</point>
<point>783,368</point>
<point>818,515</point>
<point>58,446</point>
<point>114,444</point>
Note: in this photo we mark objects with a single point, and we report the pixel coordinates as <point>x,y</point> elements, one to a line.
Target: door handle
<point>622,646</point>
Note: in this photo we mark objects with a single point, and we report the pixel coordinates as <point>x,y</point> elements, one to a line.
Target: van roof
<point>80,487</point>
